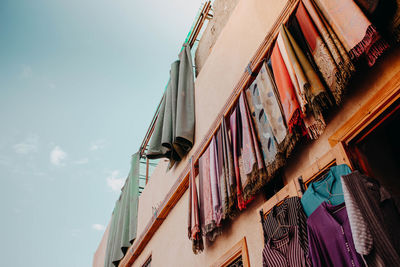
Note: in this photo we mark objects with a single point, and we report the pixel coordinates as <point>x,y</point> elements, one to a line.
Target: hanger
<point>279,227</point>
<point>339,209</point>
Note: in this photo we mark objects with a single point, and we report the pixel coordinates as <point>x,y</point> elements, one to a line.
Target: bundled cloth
<point>210,218</point>
<point>329,54</point>
<point>310,92</point>
<point>123,227</point>
<point>194,227</point>
<point>226,172</point>
<point>359,37</point>
<point>248,161</point>
<point>174,129</point>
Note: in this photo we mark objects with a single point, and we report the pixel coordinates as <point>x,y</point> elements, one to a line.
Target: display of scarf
<point>173,134</point>
<point>306,82</point>
<point>249,168</point>
<point>227,177</point>
<point>272,160</point>
<point>357,34</point>
<point>194,227</point>
<point>215,181</point>
<point>383,13</point>
<point>208,218</point>
<point>287,95</point>
<point>329,54</point>
<point>123,227</point>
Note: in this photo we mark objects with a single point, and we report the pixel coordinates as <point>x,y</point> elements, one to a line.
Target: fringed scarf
<point>249,167</point>
<point>287,94</point>
<point>215,182</point>
<point>310,91</point>
<point>358,35</point>
<point>329,54</point>
<point>194,228</point>
<point>263,130</point>
<point>227,177</point>
<point>207,215</point>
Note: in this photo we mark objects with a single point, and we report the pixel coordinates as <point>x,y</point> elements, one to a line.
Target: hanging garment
<point>227,177</point>
<point>272,160</point>
<point>376,220</point>
<point>124,218</point>
<point>291,213</point>
<point>285,251</point>
<point>327,189</point>
<point>328,52</point>
<point>208,223</point>
<point>194,227</point>
<point>313,119</point>
<point>174,129</point>
<point>330,239</point>
<point>249,168</point>
<point>357,34</point>
<point>384,13</point>
<point>215,182</point>
<point>287,95</point>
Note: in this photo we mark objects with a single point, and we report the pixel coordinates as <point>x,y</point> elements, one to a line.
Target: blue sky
<point>79,84</point>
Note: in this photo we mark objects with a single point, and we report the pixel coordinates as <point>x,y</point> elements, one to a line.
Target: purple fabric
<point>329,237</point>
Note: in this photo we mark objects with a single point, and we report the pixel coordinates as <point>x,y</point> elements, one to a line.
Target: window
<point>237,256</point>
<point>147,263</point>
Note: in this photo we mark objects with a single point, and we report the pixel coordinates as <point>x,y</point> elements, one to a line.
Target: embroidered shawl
<point>194,228</point>
<point>329,54</point>
<point>358,35</point>
<point>215,182</point>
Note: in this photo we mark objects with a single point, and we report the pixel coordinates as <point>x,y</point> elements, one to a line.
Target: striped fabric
<point>285,251</point>
<point>290,212</point>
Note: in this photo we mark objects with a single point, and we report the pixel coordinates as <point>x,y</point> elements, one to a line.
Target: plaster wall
<point>100,254</point>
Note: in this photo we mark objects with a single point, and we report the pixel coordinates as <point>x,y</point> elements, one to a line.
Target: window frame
<point>239,249</point>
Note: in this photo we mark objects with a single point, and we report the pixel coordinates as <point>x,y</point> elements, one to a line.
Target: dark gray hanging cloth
<point>173,134</point>
<point>124,218</point>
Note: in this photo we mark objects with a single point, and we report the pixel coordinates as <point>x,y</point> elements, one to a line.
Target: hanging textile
<point>330,239</point>
<point>194,227</point>
<point>174,129</point>
<point>287,95</point>
<point>285,251</point>
<point>291,213</point>
<point>208,219</point>
<point>329,54</point>
<point>227,177</point>
<point>376,223</point>
<point>272,160</point>
<point>215,182</point>
<point>329,188</point>
<point>383,13</point>
<point>249,168</point>
<point>357,34</point>
<point>124,218</point>
<point>303,83</point>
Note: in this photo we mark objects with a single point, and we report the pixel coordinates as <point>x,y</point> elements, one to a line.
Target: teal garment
<point>124,218</point>
<point>318,192</point>
<point>173,134</point>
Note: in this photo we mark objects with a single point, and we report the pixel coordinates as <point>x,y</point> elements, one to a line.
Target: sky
<point>79,84</point>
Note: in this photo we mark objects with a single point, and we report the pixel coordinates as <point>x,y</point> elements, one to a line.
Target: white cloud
<point>27,146</point>
<point>98,144</point>
<point>82,161</point>
<point>98,227</point>
<point>114,182</point>
<point>57,156</point>
<point>26,72</point>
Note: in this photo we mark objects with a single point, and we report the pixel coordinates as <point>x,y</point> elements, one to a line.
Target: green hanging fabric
<point>124,218</point>
<point>173,134</point>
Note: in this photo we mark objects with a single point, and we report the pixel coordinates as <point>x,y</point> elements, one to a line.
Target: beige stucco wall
<point>246,28</point>
<point>100,254</point>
